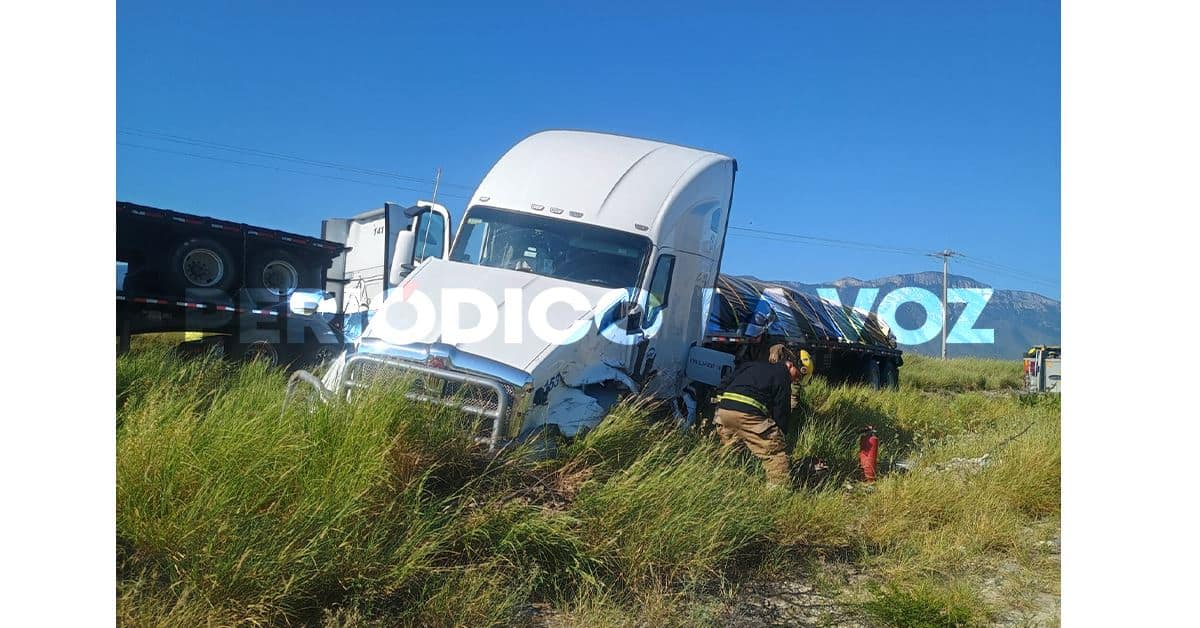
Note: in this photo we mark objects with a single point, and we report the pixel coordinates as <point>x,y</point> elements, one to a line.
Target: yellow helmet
<point>807,362</point>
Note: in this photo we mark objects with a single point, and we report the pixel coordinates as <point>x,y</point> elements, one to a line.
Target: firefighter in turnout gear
<point>753,410</point>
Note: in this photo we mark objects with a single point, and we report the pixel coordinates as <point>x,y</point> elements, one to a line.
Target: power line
<point>276,168</point>
<point>825,244</point>
<point>180,139</point>
<point>1016,275</point>
<point>772,236</point>
<point>793,237</point>
<point>1005,269</point>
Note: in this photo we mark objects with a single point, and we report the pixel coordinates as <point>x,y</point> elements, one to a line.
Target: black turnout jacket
<point>768,384</point>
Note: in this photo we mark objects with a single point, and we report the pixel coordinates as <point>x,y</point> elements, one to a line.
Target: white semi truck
<point>583,270</point>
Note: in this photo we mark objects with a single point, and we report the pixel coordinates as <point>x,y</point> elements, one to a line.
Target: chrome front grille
<point>472,394</point>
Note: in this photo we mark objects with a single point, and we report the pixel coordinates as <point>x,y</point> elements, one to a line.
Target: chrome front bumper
<point>472,394</point>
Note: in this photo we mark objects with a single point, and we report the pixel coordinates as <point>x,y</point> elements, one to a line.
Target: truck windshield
<point>564,249</point>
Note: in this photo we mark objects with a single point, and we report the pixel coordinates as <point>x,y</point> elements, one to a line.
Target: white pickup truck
<point>583,270</point>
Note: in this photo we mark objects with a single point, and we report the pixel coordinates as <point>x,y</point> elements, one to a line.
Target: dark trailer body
<point>847,345</point>
<point>184,272</point>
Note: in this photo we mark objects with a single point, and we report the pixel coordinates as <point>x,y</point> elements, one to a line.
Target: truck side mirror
<point>402,257</point>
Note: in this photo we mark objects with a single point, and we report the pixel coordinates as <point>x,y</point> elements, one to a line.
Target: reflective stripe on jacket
<point>759,387</point>
<point>746,400</point>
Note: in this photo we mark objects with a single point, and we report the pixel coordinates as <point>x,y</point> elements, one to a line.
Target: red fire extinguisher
<point>868,452</point>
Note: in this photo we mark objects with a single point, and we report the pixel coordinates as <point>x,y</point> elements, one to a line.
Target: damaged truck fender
<point>578,398</point>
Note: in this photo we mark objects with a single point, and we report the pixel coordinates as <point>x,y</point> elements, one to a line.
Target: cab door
<point>673,294</point>
<point>430,225</point>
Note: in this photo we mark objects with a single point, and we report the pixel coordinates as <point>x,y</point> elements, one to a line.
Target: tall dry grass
<point>235,510</point>
<point>959,374</point>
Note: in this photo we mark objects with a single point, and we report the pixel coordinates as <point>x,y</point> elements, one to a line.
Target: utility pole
<point>945,254</point>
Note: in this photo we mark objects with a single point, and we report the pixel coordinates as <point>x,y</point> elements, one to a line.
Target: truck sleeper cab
<point>592,214</point>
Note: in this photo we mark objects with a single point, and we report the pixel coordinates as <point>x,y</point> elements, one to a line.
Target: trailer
<point>254,291</point>
<point>848,346</point>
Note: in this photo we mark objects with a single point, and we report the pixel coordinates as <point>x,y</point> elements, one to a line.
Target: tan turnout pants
<point>761,436</point>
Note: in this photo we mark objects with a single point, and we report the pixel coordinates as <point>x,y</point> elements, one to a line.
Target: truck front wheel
<point>543,441</point>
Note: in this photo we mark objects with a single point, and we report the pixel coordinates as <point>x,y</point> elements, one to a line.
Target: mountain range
<point>1020,319</point>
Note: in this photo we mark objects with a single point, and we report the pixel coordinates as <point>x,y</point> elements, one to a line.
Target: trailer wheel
<point>873,375</point>
<point>891,375</point>
<point>201,263</point>
<point>259,349</point>
<point>280,273</point>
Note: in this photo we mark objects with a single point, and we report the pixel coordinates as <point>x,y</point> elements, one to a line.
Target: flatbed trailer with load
<point>848,346</point>
<point>253,288</point>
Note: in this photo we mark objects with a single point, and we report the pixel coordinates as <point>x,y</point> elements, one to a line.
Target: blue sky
<point>917,125</point>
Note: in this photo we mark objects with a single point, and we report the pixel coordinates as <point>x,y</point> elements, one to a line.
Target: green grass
<point>924,607</point>
<point>232,510</point>
<point>959,374</point>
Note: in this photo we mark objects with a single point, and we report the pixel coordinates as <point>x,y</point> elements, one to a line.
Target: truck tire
<point>543,441</point>
<point>873,374</point>
<point>317,354</point>
<point>685,407</point>
<point>891,375</point>
<point>272,353</point>
<point>705,409</point>
<point>201,263</point>
<point>280,273</point>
